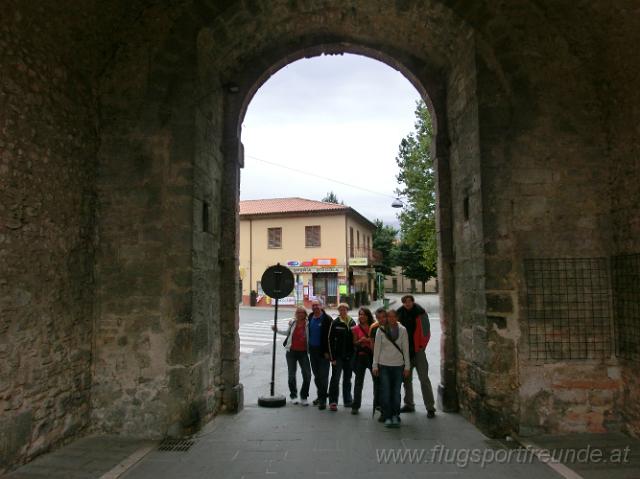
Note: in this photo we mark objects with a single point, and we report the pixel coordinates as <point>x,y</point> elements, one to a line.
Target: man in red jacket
<point>407,315</point>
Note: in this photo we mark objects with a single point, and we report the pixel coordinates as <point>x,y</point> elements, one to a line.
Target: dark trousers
<point>320,368</point>
<point>293,359</point>
<point>361,364</point>
<point>390,382</point>
<point>342,367</point>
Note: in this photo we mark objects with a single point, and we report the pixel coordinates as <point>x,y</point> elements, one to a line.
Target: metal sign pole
<point>277,282</point>
<point>273,355</point>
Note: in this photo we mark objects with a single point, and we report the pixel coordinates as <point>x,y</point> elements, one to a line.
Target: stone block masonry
<point>48,143</point>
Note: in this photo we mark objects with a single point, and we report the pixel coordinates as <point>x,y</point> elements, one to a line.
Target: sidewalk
<point>104,457</point>
<point>294,442</point>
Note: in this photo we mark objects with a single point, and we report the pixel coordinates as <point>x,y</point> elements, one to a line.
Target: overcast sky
<point>340,117</point>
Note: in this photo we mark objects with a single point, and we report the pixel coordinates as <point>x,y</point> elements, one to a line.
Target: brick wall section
<point>47,170</point>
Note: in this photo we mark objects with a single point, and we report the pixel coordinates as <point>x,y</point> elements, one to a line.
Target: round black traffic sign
<point>277,281</point>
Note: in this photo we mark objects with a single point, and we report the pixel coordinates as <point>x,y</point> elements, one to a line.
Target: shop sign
<point>288,301</point>
<point>324,261</point>
<point>361,272</point>
<point>316,269</point>
<point>358,261</point>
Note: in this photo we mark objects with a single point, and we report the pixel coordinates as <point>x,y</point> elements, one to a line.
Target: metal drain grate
<point>175,445</point>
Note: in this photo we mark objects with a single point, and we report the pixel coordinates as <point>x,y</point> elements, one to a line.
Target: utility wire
<point>308,173</point>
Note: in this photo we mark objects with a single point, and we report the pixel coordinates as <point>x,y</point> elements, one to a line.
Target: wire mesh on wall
<point>625,272</point>
<point>568,308</point>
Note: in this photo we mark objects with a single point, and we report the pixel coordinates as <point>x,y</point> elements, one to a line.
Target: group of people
<point>389,346</point>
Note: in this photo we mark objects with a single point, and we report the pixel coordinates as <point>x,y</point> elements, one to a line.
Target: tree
<point>418,253</point>
<point>332,198</point>
<point>384,238</point>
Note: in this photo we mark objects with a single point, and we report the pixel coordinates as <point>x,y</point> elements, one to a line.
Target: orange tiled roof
<point>286,205</point>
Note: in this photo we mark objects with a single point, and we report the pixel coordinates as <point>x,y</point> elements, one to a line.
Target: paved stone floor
<point>295,442</point>
<point>610,456</point>
<point>88,457</point>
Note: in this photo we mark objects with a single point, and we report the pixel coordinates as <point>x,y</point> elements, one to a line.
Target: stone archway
<point>190,112</point>
<point>247,83</point>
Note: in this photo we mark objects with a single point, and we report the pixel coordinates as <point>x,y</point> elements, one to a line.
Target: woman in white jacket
<point>297,346</point>
<point>391,364</point>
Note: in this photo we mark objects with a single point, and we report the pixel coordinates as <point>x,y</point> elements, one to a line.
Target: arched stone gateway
<point>121,120</point>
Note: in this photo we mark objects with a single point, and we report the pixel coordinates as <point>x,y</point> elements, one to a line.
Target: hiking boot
<point>333,407</point>
<point>322,406</point>
<point>316,402</point>
<point>407,408</point>
<point>354,410</point>
<point>431,413</point>
<point>388,423</point>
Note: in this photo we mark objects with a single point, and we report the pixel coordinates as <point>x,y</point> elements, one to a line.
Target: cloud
<point>339,116</point>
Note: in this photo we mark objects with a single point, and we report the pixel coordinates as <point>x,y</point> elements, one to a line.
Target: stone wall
<point>47,176</point>
<point>466,208</point>
<point>620,73</point>
<point>156,267</point>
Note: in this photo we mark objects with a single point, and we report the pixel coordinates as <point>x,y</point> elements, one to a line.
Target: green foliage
<point>418,252</point>
<point>384,238</point>
<point>332,198</point>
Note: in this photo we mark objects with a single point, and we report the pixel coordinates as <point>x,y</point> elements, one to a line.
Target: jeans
<point>362,363</point>
<point>419,361</point>
<point>293,358</point>
<point>320,368</point>
<point>343,365</point>
<point>390,381</point>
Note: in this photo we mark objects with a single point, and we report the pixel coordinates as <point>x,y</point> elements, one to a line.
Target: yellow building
<point>327,246</point>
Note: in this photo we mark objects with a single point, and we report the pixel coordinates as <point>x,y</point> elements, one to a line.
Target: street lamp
<point>397,203</point>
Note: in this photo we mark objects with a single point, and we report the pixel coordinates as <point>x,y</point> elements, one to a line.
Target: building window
<point>350,242</point>
<point>358,240</point>
<point>275,238</point>
<point>311,236</point>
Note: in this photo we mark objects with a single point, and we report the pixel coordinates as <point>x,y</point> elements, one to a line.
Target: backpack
<point>422,333</point>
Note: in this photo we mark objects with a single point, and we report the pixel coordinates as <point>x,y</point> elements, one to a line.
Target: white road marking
<point>255,335</point>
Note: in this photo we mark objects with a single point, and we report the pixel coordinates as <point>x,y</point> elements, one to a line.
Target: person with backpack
<point>341,356</point>
<point>381,320</point>
<point>363,354</point>
<point>391,364</point>
<point>415,319</point>
<point>297,345</point>
<point>319,324</point>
